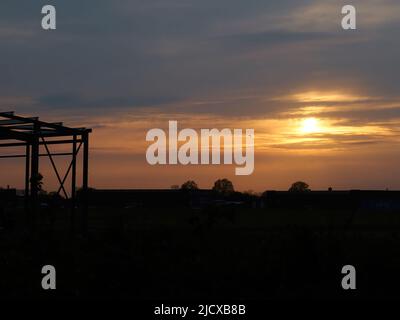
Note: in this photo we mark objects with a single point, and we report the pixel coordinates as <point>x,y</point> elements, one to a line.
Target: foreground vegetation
<point>203,254</point>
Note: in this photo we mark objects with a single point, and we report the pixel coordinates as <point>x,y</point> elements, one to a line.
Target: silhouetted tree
<point>223,186</point>
<point>299,186</point>
<point>80,192</point>
<point>189,185</point>
<point>55,195</point>
<point>38,181</point>
<point>250,192</point>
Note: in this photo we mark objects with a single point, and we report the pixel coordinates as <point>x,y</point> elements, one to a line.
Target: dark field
<point>220,253</point>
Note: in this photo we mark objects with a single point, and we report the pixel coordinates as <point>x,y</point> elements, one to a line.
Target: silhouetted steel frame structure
<point>32,133</point>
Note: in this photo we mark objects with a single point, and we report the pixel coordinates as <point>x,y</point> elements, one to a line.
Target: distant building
<point>7,196</point>
<point>367,200</point>
<point>145,197</point>
<point>161,198</point>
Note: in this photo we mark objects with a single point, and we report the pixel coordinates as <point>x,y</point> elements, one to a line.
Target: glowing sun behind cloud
<point>310,125</point>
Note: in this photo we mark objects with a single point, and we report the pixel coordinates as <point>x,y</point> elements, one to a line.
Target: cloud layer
<point>126,66</point>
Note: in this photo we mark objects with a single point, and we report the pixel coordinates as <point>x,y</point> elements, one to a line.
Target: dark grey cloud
<point>327,141</point>
<point>250,41</point>
<point>122,54</point>
<point>357,117</point>
<point>72,101</point>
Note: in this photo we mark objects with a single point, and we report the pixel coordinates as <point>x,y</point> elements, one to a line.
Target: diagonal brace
<point>54,167</point>
<point>69,169</point>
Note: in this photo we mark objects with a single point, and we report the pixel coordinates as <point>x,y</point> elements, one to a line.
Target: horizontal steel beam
<point>26,126</point>
<point>60,128</point>
<point>20,126</point>
<point>10,134</point>
<point>22,144</point>
<point>6,113</point>
<point>15,122</point>
<point>40,155</point>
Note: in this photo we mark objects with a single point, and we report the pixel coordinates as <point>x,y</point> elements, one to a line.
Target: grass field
<point>216,253</point>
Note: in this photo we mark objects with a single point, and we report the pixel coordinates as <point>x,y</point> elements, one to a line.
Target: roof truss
<point>14,127</point>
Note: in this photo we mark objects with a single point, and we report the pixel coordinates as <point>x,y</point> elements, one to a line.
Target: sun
<point>310,125</point>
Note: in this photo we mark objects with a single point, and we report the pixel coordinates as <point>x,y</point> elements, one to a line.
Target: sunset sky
<point>324,102</point>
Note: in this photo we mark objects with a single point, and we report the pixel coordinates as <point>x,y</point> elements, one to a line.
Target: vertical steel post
<point>34,178</point>
<point>73,185</point>
<point>85,183</point>
<point>27,175</point>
